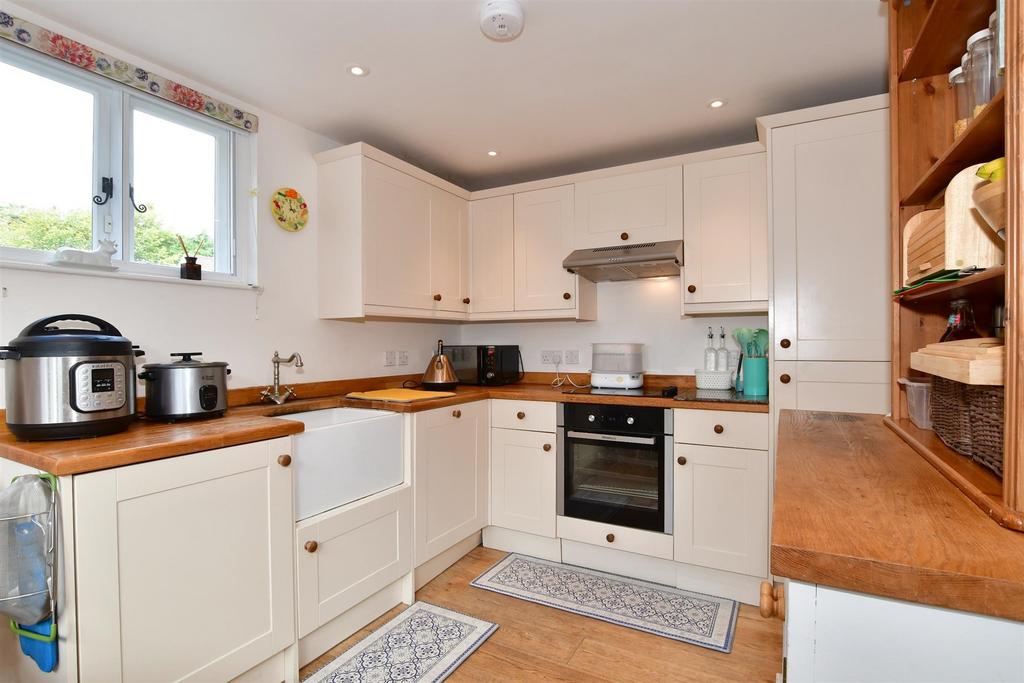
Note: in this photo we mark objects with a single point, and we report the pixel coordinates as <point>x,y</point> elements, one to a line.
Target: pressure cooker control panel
<point>97,386</point>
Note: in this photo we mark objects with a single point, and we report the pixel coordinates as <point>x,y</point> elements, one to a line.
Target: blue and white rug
<point>662,610</point>
<point>423,643</point>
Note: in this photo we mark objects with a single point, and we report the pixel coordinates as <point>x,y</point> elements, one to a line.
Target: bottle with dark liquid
<point>961,322</point>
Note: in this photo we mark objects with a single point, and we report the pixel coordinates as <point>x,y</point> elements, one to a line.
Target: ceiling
<point>587,84</point>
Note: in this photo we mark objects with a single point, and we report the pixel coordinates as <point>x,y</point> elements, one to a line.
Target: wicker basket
<point>969,419</point>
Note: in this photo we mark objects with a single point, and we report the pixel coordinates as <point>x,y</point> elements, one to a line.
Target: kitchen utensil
<point>65,383</point>
<point>439,375</point>
<point>186,388</point>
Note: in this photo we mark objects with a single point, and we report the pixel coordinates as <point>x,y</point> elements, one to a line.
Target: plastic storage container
<point>958,82</point>
<point>919,401</point>
<point>980,70</point>
<point>618,358</point>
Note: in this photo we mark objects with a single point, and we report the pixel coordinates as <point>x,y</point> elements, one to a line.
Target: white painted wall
<point>644,311</point>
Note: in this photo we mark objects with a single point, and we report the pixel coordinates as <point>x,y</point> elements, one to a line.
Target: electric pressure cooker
<point>66,383</point>
<point>186,388</point>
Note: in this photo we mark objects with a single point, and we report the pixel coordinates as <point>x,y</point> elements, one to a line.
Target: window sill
<point>124,275</point>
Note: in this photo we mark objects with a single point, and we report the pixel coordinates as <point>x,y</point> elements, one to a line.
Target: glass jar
<point>961,322</point>
<point>980,69</point>
<point>998,53</point>
<point>958,82</point>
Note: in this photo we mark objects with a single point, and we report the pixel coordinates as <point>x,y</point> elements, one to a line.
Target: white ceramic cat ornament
<point>97,258</point>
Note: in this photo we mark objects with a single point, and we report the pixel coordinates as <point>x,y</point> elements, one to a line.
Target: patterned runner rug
<point>423,643</point>
<point>662,610</point>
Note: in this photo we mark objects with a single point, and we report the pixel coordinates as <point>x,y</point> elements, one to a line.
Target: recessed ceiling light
<point>716,104</point>
<point>492,153</point>
<point>357,70</point>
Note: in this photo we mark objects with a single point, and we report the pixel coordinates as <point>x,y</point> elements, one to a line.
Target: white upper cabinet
<point>449,251</point>
<point>492,259</point>
<point>629,209</point>
<point>830,218</point>
<point>725,236</point>
<point>543,238</point>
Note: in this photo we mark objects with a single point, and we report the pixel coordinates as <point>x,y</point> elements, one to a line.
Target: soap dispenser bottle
<point>710,357</point>
<point>721,353</point>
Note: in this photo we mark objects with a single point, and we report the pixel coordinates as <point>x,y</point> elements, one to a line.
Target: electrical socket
<point>389,358</point>
<point>572,356</point>
<point>551,357</point>
<point>403,357</point>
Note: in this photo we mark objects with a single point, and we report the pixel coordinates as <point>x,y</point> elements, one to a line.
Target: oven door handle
<point>644,440</point>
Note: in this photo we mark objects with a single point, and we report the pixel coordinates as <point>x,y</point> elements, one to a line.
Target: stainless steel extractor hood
<point>629,262</point>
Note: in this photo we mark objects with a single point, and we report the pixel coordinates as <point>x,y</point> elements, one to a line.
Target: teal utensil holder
<point>755,376</point>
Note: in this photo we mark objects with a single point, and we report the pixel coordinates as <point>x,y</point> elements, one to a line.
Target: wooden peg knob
<point>547,447</point>
<point>691,289</point>
<point>465,300</point>
<point>437,297</point>
<point>681,460</point>
<point>784,378</point>
<point>785,343</point>
<point>311,546</point>
<point>567,296</point>
<point>520,415</point>
<point>719,429</point>
<point>610,538</point>
<point>456,413</point>
<point>284,460</point>
<point>624,236</point>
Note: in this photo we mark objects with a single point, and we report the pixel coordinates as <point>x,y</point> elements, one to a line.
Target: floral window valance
<point>77,54</point>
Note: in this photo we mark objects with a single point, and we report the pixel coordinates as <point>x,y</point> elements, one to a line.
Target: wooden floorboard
<point>538,643</point>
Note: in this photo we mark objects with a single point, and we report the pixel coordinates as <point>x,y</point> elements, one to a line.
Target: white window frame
<point>113,107</point>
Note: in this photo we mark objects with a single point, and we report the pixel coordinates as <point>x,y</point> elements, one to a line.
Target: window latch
<point>141,208</point>
<point>107,190</point>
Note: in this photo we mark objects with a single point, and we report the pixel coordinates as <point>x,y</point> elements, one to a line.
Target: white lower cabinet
<point>450,476</point>
<point>184,566</point>
<point>345,555</point>
<point>721,508</point>
<point>523,481</point>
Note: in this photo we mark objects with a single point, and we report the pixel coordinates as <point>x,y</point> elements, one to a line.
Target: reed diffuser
<point>191,269</point>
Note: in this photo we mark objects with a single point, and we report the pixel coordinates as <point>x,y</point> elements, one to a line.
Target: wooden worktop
<point>856,508</point>
<point>147,440</point>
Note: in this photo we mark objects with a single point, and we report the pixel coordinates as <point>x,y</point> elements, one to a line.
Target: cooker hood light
<point>629,262</point>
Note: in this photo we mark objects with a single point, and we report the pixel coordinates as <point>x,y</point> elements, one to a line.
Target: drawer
<point>534,416</point>
<point>649,543</point>
<point>722,428</point>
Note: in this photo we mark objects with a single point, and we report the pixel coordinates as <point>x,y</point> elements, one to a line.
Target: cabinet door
<point>832,387</point>
<point>830,213</point>
<point>449,250</point>
<point>346,555</point>
<point>523,481</point>
<point>725,230</point>
<point>185,566</point>
<point>397,242</point>
<point>543,238</point>
<point>721,508</point>
<point>492,255</point>
<point>629,209</point>
<point>451,480</point>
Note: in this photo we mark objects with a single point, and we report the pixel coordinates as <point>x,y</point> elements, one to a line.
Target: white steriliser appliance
<point>617,366</point>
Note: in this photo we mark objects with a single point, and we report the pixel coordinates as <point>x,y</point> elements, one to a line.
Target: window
<point>171,175</point>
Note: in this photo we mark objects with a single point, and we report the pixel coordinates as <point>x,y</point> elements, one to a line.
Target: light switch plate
<point>403,357</point>
<point>572,356</point>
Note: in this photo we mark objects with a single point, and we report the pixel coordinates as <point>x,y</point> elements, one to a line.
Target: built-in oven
<point>615,465</point>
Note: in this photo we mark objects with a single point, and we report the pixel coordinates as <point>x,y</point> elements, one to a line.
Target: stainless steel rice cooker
<point>186,388</point>
<point>69,382</point>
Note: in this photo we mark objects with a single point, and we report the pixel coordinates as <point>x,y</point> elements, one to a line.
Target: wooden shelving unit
<point>983,140</point>
<point>925,157</point>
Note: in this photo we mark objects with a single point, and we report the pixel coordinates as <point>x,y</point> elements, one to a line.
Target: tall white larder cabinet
<point>829,214</point>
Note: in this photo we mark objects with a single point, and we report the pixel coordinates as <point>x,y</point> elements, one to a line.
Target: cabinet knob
<point>785,343</point>
<point>784,378</point>
<point>520,415</point>
<point>773,601</point>
<point>567,296</point>
<point>624,236</point>
<point>465,300</point>
<point>691,289</point>
<point>547,447</point>
<point>284,460</point>
<point>437,297</point>
<point>719,429</point>
<point>456,413</point>
<point>610,538</point>
<point>681,460</point>
<point>311,546</point>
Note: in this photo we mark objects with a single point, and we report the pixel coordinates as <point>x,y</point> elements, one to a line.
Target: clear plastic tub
<point>919,401</point>
<point>958,82</point>
<point>627,358</point>
<point>981,70</point>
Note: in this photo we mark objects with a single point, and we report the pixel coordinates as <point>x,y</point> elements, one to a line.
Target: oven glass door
<point>615,479</point>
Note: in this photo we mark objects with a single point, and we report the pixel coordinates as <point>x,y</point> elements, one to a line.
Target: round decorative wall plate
<point>289,209</point>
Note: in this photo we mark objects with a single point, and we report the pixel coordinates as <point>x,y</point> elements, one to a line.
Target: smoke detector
<point>501,20</point>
